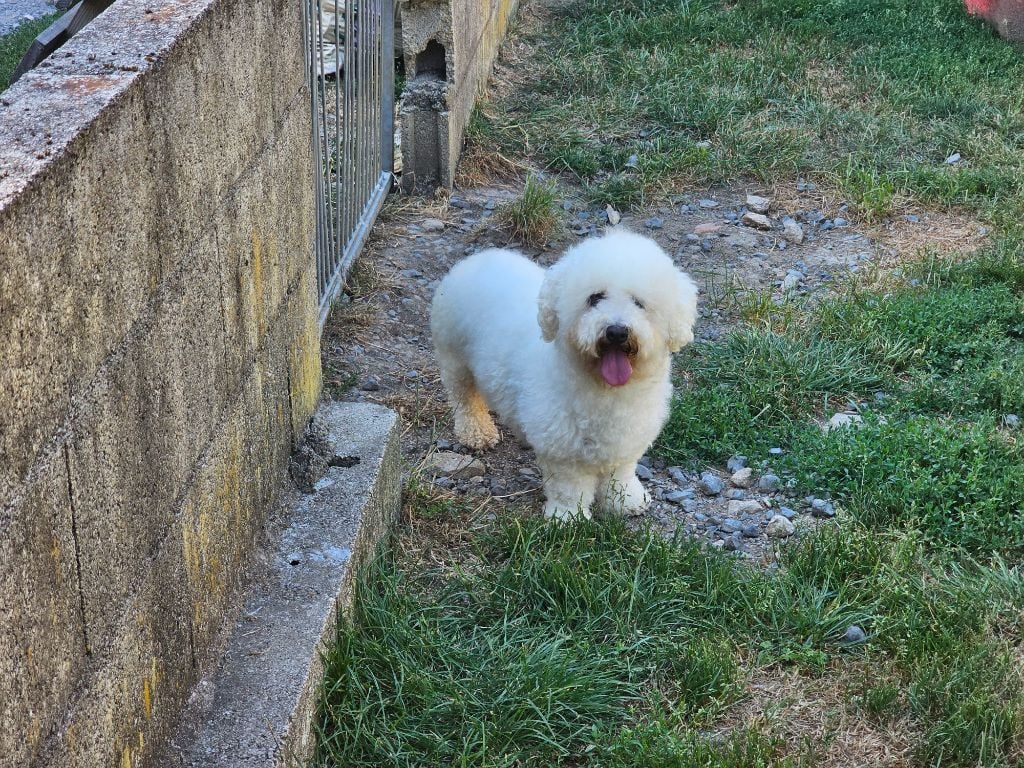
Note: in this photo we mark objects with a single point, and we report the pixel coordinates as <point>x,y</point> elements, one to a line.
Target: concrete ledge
<point>257,708</point>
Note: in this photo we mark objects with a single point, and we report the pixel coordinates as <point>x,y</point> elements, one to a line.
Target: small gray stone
<point>953,159</point>
<point>787,513</point>
<point>747,507</point>
<point>454,465</point>
<point>655,222</point>
<point>412,375</point>
<point>792,231</point>
<point>676,497</point>
<point>780,528</point>
<point>769,483</point>
<point>756,220</point>
<point>841,420</point>
<point>742,478</point>
<point>1011,421</point>
<point>854,635</point>
<point>432,225</point>
<point>758,204</point>
<point>736,463</point>
<point>775,451</point>
<point>736,494</point>
<point>708,203</point>
<point>791,281</point>
<point>822,509</point>
<point>372,384</point>
<point>751,531</point>
<point>643,473</point>
<point>840,221</point>
<point>733,543</point>
<point>678,476</point>
<point>443,445</point>
<point>711,483</point>
<point>444,482</point>
<point>647,461</point>
<point>731,525</point>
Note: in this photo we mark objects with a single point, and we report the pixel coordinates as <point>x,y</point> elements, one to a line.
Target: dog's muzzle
<point>616,349</point>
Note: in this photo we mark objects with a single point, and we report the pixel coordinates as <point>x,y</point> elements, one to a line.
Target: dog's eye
<point>639,303</point>
<point>594,298</point>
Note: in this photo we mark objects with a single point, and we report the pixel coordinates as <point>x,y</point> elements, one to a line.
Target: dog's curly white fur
<point>574,360</point>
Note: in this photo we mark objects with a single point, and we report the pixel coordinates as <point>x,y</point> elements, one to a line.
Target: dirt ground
<point>377,346</point>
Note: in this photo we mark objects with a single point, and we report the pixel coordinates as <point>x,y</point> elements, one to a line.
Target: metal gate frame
<point>350,64</point>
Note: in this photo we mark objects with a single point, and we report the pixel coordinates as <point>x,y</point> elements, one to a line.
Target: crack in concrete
<point>78,552</point>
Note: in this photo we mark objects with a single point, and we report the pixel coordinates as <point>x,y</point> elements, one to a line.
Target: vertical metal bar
<point>359,193</point>
<point>387,87</point>
<point>322,128</point>
<point>350,146</point>
<point>340,39</point>
<point>309,26</point>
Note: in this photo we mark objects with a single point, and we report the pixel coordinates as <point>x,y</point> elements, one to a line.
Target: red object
<point>1007,16</point>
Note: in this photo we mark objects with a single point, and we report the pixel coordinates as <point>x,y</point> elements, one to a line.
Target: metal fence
<point>350,60</point>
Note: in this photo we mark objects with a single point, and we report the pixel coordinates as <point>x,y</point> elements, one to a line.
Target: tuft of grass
<point>16,43</point>
<point>532,217</point>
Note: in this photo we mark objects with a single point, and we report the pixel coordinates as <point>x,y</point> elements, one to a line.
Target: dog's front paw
<point>563,513</point>
<point>624,498</point>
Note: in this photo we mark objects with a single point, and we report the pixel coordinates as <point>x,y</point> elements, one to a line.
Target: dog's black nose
<point>617,334</point>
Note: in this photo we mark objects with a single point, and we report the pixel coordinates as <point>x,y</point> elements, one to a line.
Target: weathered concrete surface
<point>449,47</point>
<point>159,356</point>
<point>257,709</point>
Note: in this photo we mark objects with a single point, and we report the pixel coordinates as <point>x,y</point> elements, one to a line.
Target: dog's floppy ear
<point>683,313</point>
<point>547,303</point>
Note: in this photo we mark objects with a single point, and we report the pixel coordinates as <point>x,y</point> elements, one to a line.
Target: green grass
<point>865,95</point>
<point>15,43</point>
<point>589,644</point>
<point>531,218</point>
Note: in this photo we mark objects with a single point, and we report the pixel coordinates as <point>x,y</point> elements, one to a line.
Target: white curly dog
<point>573,359</point>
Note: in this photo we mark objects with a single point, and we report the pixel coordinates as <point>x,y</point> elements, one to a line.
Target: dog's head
<point>619,304</point>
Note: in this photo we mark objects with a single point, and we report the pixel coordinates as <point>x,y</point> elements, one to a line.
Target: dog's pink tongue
<point>615,367</point>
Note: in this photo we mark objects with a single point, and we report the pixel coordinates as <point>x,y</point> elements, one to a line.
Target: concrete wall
<point>159,356</point>
<point>439,99</point>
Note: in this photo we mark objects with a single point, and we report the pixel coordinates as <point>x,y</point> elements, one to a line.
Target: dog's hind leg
<point>474,426</point>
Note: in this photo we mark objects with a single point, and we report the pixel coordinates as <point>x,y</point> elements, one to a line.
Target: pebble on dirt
<point>769,483</point>
<point>756,220</point>
<point>711,484</point>
<point>792,231</point>
<point>742,478</point>
<point>745,507</point>
<point>432,225</point>
<point>736,463</point>
<point>758,204</point>
<point>454,465</point>
<point>780,528</point>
